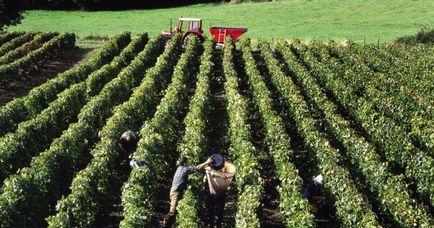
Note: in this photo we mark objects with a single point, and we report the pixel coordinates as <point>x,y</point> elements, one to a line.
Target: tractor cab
<point>191,26</point>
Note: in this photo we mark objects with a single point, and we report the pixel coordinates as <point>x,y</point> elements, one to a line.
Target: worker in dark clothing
<point>129,141</point>
<point>179,184</point>
<point>313,192</point>
<point>215,209</point>
<point>218,177</point>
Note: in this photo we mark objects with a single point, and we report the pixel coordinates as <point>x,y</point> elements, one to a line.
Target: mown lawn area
<point>358,20</point>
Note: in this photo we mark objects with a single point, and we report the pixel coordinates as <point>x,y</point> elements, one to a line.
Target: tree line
<point>11,10</point>
<point>106,4</point>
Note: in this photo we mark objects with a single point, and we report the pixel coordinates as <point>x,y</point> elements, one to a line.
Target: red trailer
<point>220,33</point>
<point>194,26</point>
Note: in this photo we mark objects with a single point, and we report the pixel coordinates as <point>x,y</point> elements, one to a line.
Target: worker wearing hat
<point>179,184</point>
<point>313,188</point>
<point>218,177</point>
<point>313,191</point>
<point>129,141</point>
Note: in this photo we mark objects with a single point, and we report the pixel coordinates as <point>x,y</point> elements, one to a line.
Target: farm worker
<point>218,177</point>
<point>313,191</point>
<point>129,141</point>
<point>179,184</point>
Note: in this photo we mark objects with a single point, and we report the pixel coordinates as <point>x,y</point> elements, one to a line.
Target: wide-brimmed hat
<point>218,161</point>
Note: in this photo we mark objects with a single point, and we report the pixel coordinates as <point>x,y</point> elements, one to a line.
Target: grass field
<point>358,20</point>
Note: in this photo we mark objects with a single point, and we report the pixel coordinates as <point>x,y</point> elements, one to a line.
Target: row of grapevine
<point>24,108</point>
<point>248,179</point>
<point>351,207</point>
<point>93,188</point>
<point>37,42</point>
<point>393,103</point>
<point>16,42</point>
<point>421,128</point>
<point>417,60</point>
<point>293,207</point>
<point>405,97</point>
<point>392,90</point>
<point>157,145</point>
<point>34,135</point>
<point>7,36</point>
<point>50,173</point>
<point>388,84</point>
<point>417,165</point>
<point>194,143</point>
<point>404,70</point>
<point>390,190</point>
<point>19,147</point>
<point>388,105</point>
<point>13,70</point>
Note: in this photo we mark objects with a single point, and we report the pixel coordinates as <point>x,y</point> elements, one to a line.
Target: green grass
<point>358,20</point>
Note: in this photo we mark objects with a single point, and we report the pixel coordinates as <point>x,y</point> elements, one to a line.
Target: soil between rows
<point>45,71</point>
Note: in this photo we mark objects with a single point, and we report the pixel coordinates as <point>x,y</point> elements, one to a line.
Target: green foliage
<point>194,143</point>
<point>409,65</point>
<point>391,98</point>
<point>188,211</point>
<point>293,207</point>
<point>408,68</point>
<point>351,206</point>
<point>34,135</point>
<point>248,179</point>
<point>368,107</point>
<point>21,51</point>
<point>423,130</point>
<point>24,108</point>
<point>16,42</point>
<point>388,188</point>
<point>418,166</point>
<point>93,188</point>
<point>7,36</point>
<point>51,172</point>
<point>424,36</point>
<point>20,66</point>
<point>157,145</point>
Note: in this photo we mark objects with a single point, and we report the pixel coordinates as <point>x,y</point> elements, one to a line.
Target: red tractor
<point>194,27</point>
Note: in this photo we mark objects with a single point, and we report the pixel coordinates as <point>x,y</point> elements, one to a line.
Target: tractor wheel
<point>187,36</point>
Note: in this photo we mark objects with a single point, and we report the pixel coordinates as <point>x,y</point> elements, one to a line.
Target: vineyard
<point>361,115</point>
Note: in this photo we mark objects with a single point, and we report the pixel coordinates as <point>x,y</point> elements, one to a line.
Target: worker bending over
<point>129,141</point>
<point>313,192</point>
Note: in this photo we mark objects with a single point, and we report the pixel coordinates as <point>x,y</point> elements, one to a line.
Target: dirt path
<point>49,69</point>
<point>304,160</point>
<point>268,213</point>
<point>219,123</point>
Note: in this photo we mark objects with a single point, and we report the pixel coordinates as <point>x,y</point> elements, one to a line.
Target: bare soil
<point>43,72</point>
<point>268,213</point>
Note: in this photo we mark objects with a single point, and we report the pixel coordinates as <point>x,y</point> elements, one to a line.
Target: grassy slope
<point>337,19</point>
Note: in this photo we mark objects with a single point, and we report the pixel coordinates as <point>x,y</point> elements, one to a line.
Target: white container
<point>219,180</point>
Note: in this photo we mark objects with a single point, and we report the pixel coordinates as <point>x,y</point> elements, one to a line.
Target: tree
<point>10,13</point>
